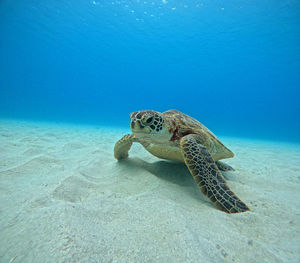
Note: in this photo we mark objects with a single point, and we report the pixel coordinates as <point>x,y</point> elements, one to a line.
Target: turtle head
<point>146,122</point>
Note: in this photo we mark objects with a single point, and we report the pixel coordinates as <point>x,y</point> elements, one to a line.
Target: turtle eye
<point>149,120</point>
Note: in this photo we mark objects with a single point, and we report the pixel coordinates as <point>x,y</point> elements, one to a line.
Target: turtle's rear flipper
<point>224,166</point>
<point>208,177</point>
<point>123,146</point>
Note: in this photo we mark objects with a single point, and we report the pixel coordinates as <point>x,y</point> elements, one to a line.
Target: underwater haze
<point>71,72</point>
<point>233,65</point>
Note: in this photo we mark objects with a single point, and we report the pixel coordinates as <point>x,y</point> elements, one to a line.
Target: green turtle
<point>173,135</point>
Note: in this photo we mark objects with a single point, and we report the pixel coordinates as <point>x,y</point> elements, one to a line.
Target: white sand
<point>64,198</point>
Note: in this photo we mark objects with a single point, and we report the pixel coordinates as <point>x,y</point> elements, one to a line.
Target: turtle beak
<point>137,127</point>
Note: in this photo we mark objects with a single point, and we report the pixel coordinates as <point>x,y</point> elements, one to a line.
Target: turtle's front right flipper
<point>208,177</point>
<point>123,146</point>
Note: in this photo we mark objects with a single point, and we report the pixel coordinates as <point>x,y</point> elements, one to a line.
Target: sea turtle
<point>173,135</point>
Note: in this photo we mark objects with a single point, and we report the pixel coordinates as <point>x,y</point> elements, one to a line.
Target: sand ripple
<point>64,198</point>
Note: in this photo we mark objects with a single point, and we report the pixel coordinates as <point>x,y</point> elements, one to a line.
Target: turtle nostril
<point>132,125</point>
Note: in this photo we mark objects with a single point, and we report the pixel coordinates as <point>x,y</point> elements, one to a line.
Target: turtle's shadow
<point>173,172</point>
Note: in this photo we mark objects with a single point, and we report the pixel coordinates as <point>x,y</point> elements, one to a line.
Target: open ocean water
<point>71,72</point>
<point>233,65</point>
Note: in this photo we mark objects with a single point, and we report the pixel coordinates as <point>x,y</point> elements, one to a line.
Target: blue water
<point>233,65</point>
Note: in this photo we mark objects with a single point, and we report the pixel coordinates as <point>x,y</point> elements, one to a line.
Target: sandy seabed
<point>64,198</point>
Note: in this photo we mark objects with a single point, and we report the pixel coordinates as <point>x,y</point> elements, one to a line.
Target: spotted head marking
<point>146,121</point>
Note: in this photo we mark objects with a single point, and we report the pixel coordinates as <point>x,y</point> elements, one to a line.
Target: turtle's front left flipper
<point>208,177</point>
<point>123,146</point>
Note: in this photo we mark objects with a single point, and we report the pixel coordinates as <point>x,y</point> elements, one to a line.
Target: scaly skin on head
<point>146,122</point>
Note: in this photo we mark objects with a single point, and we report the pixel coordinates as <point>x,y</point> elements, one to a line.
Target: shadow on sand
<point>171,172</point>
